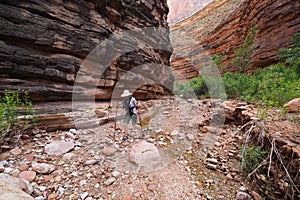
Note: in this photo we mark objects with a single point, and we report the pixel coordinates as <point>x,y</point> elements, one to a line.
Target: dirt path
<point>196,159</point>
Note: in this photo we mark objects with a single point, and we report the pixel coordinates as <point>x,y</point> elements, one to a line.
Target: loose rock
<point>27,175</point>
<point>242,196</point>
<point>59,148</point>
<point>43,168</point>
<point>109,151</point>
<point>110,181</point>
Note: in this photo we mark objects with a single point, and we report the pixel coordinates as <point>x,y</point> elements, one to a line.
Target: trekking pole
<point>138,111</point>
<point>116,120</point>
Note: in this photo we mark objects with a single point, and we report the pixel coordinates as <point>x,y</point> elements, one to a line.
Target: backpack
<point>126,106</point>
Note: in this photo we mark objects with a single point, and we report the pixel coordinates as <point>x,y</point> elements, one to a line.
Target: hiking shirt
<point>133,103</point>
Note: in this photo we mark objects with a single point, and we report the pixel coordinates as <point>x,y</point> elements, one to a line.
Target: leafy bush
<point>199,86</point>
<point>218,60</point>
<point>292,55</point>
<point>184,90</point>
<point>273,86</point>
<point>13,104</point>
<point>1,42</point>
<point>251,158</point>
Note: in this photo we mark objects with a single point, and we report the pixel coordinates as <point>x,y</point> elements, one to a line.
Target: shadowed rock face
<point>220,28</point>
<point>45,43</point>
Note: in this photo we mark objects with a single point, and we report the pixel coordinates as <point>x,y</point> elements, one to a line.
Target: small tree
<point>292,55</point>
<point>218,60</point>
<point>12,104</point>
<point>243,54</point>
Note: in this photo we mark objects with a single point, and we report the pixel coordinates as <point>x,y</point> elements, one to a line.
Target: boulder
<point>293,105</point>
<point>10,188</point>
<point>59,148</point>
<point>143,153</point>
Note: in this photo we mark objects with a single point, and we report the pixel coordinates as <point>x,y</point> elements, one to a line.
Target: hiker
<point>130,108</point>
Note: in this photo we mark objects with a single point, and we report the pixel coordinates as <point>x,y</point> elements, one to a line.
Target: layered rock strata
<point>221,27</point>
<point>44,43</point>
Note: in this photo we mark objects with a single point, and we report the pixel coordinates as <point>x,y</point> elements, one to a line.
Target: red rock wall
<point>277,21</point>
<point>45,42</point>
<point>221,31</point>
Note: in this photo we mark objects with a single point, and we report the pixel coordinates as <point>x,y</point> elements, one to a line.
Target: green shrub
<point>184,90</point>
<point>251,158</point>
<point>272,86</point>
<point>12,104</point>
<point>218,60</point>
<point>292,55</point>
<point>1,42</point>
<point>199,86</point>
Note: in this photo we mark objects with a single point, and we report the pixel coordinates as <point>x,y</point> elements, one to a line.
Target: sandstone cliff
<point>220,29</point>
<point>180,10</point>
<point>45,42</point>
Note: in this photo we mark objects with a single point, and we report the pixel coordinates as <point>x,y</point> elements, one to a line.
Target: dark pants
<point>133,117</point>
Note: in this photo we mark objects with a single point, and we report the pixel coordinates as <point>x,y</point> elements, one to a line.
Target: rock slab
<point>143,153</point>
<point>10,189</point>
<point>59,148</point>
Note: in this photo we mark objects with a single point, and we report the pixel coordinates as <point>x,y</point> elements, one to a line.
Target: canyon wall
<point>222,26</point>
<point>43,44</point>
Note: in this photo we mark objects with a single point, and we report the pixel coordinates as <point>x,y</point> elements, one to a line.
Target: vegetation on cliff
<point>272,86</point>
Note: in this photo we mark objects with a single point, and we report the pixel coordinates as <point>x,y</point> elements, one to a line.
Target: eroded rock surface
<point>221,27</point>
<point>43,44</point>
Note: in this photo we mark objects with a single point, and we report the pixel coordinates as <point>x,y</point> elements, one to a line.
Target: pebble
<point>71,136</point>
<point>8,170</point>
<point>84,195</point>
<point>24,167</point>
<point>211,166</point>
<point>212,160</point>
<point>128,197</point>
<point>190,137</point>
<point>90,162</point>
<point>82,182</point>
<point>152,187</point>
<point>242,196</point>
<point>27,175</point>
<point>256,196</point>
<point>4,163</point>
<point>75,173</point>
<point>53,197</point>
<point>26,186</point>
<point>218,144</point>
<point>73,131</point>
<point>210,181</point>
<point>43,168</point>
<point>243,189</point>
<point>109,181</point>
<point>229,177</point>
<point>42,188</point>
<point>2,168</point>
<point>16,151</point>
<point>40,198</point>
<point>109,151</point>
<point>116,174</point>
<point>36,192</point>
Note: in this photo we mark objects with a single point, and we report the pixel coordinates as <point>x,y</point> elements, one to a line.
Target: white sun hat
<point>126,93</point>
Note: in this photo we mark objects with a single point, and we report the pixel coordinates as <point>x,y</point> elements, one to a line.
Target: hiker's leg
<point>126,122</point>
<point>134,121</point>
